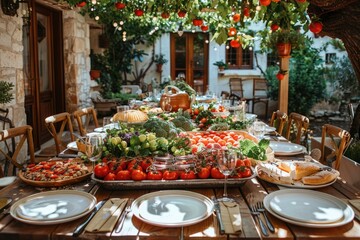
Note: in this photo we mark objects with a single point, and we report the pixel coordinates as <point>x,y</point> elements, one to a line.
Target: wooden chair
<point>24,133</point>
<point>260,88</point>
<point>9,144</point>
<point>298,124</point>
<point>60,120</point>
<point>278,120</point>
<point>236,88</point>
<point>89,114</point>
<point>337,140</point>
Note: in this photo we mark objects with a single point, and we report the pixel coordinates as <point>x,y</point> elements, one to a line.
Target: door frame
<point>189,58</point>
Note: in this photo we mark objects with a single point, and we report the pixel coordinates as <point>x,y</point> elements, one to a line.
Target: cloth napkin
<point>231,217</point>
<point>106,218</point>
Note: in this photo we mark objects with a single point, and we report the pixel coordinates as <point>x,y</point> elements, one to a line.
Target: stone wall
<point>77,61</point>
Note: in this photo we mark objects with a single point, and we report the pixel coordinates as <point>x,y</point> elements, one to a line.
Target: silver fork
<point>125,213</point>
<point>261,209</point>
<point>256,215</point>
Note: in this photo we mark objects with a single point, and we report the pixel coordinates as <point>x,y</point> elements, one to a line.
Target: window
<point>330,58</point>
<point>239,58</point>
<point>272,59</point>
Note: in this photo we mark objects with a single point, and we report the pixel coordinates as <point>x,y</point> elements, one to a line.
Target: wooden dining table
<point>131,227</point>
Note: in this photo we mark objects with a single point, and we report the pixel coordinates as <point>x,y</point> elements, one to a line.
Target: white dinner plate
<point>299,207</point>
<point>286,148</point>
<point>172,208</point>
<point>316,211</point>
<point>4,181</point>
<point>53,207</point>
<point>102,134</point>
<point>72,146</point>
<point>108,126</point>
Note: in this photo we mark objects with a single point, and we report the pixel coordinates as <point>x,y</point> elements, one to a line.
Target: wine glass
<point>258,129</point>
<point>93,150</point>
<point>226,160</point>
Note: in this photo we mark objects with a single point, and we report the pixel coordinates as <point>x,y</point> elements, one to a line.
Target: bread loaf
<point>273,174</point>
<point>321,177</point>
<point>302,169</point>
<point>131,116</point>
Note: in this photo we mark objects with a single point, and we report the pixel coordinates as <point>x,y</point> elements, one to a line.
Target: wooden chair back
<point>61,120</point>
<point>337,139</point>
<point>278,120</point>
<point>9,144</point>
<point>298,124</point>
<point>236,87</point>
<point>90,115</point>
<point>24,133</point>
<point>260,88</point>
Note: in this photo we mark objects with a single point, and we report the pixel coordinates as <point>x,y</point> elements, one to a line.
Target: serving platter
<point>172,208</point>
<point>167,184</point>
<point>320,204</point>
<point>53,207</point>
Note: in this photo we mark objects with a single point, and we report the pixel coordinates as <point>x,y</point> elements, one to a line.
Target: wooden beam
<point>284,85</point>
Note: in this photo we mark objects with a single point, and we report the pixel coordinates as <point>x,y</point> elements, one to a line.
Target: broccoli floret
<point>183,123</point>
<point>160,132</point>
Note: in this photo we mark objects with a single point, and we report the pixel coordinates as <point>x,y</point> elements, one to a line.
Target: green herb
<point>254,150</point>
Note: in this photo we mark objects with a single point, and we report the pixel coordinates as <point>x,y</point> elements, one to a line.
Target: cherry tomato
<point>123,175</point>
<point>110,176</point>
<point>138,175</point>
<point>239,163</point>
<point>101,170</point>
<point>245,172</point>
<point>247,162</point>
<point>170,175</point>
<point>145,164</point>
<point>188,174</point>
<point>215,173</point>
<point>204,173</point>
<point>154,175</point>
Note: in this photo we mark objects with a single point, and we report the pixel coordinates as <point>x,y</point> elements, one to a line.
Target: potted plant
<point>96,61</point>
<point>5,92</point>
<point>284,41</point>
<point>221,65</point>
<point>160,60</point>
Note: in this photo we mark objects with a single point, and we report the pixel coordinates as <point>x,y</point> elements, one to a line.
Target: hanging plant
<point>5,92</point>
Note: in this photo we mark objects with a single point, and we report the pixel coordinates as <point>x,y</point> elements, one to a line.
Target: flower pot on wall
<point>94,74</point>
<point>159,68</point>
<point>283,49</point>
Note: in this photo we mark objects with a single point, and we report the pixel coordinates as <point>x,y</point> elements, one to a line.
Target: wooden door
<point>43,68</point>
<point>189,57</point>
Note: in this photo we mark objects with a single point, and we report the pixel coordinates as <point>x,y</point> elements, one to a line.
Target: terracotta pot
<point>159,68</point>
<point>284,49</point>
<point>94,74</point>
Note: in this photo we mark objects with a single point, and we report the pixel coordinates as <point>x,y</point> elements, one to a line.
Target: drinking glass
<point>226,160</point>
<point>124,109</point>
<point>258,129</point>
<point>132,103</point>
<point>167,104</point>
<point>93,149</point>
<point>106,123</point>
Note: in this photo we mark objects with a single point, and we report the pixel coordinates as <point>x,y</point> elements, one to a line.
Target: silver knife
<point>218,215</point>
<point>82,226</point>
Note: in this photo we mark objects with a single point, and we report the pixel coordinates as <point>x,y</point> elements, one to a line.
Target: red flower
<point>120,5</point>
<point>181,13</point>
<point>315,27</point>
<point>165,15</point>
<point>204,28</point>
<point>81,4</point>
<point>139,12</point>
<point>197,22</point>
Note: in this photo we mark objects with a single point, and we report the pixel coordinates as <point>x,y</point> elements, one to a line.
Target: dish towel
<point>231,217</point>
<point>106,218</point>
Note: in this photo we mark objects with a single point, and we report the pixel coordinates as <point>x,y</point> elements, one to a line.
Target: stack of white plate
<point>308,208</point>
<point>286,148</point>
<point>53,207</point>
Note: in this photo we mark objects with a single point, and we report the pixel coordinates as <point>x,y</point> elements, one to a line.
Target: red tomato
<point>181,13</point>
<point>138,175</point>
<point>145,164</point>
<point>135,167</point>
<point>154,175</point>
<point>188,174</point>
<point>280,76</point>
<point>123,175</point>
<point>170,175</point>
<point>139,12</point>
<point>110,176</point>
<point>120,5</point>
<point>196,111</point>
<point>197,22</point>
<point>245,172</point>
<point>274,27</point>
<point>247,162</point>
<point>204,173</point>
<point>101,170</point>
<point>81,4</point>
<point>236,17</point>
<point>235,43</point>
<point>265,2</point>
<point>215,173</point>
<point>239,163</point>
<point>165,15</point>
<point>204,28</point>
<point>316,27</point>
